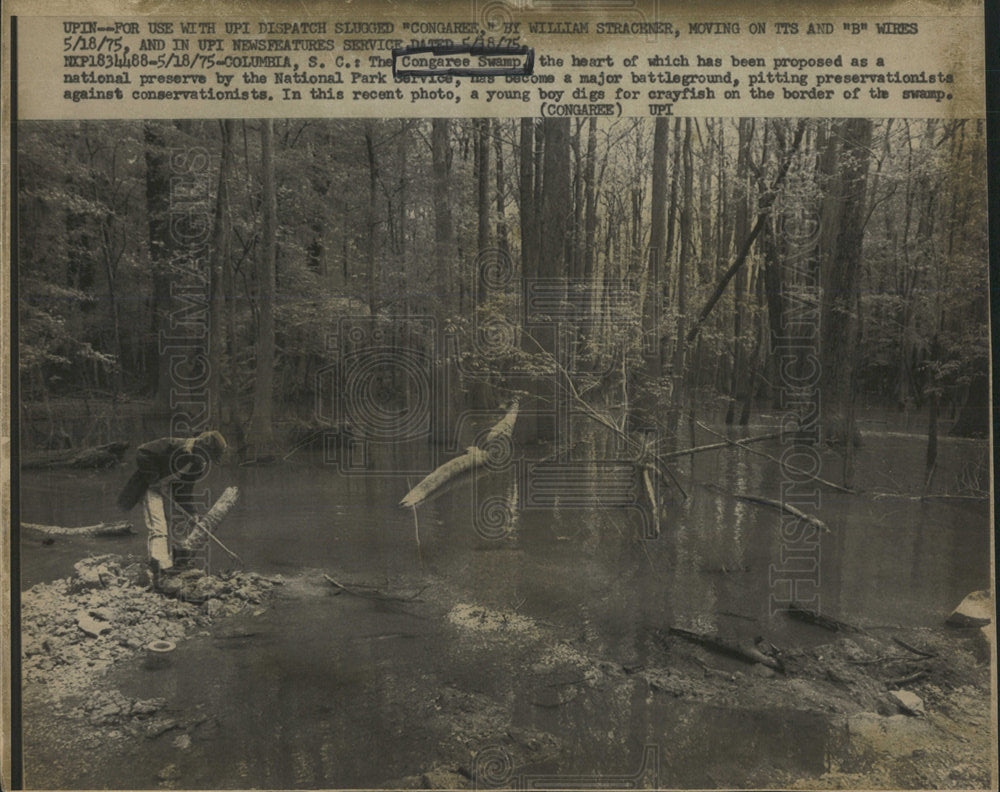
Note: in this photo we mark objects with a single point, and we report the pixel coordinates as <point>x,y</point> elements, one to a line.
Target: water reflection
<point>329,682</point>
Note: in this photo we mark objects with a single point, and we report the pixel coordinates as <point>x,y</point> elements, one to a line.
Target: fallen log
<point>119,528</point>
<point>220,508</point>
<point>747,654</point>
<point>819,620</point>
<point>100,456</point>
<point>473,457</point>
<point>205,526</point>
<point>470,459</point>
<point>505,426</point>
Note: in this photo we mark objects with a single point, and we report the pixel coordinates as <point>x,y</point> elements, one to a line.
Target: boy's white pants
<point>156,522</point>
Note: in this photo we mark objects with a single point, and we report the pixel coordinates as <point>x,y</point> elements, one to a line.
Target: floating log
<point>453,467</point>
<point>505,426</point>
<point>748,654</point>
<point>473,457</point>
<point>120,528</point>
<point>101,456</point>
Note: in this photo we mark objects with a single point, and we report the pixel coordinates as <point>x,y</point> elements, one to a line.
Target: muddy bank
<point>903,708</point>
<point>74,629</point>
<point>463,692</point>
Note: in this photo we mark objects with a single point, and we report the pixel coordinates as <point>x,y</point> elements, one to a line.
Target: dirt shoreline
<point>76,629</point>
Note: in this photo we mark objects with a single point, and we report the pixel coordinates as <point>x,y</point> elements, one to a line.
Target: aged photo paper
<point>496,394</point>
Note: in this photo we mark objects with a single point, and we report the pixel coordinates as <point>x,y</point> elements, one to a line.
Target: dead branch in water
<point>473,457</point>
<point>645,457</point>
<point>716,446</point>
<point>794,468</point>
<point>815,521</point>
<point>374,594</point>
<point>100,456</point>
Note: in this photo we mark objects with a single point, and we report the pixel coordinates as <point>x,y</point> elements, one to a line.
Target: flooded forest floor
<point>506,700</point>
<point>363,645</point>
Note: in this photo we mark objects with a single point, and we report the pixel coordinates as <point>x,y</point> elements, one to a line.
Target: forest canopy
<point>668,238</point>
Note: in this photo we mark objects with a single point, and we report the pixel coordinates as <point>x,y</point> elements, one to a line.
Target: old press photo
<point>497,394</point>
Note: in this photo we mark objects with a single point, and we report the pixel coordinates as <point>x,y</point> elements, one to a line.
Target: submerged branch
<point>815,521</point>
<point>784,465</point>
<point>374,594</point>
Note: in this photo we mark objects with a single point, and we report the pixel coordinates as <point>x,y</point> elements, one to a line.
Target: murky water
<point>337,691</point>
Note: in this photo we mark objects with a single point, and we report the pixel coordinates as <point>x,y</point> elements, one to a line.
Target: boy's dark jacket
<point>159,459</point>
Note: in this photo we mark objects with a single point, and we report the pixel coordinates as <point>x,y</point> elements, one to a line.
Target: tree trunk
<point>160,250</point>
<point>220,255</point>
<point>590,188</point>
<point>261,425</point>
<point>553,265</point>
<point>442,412</point>
<point>526,193</point>
<point>482,127</point>
<point>577,233</point>
<point>657,249</point>
<point>502,243</point>
<point>371,221</point>
<point>742,220</point>
<point>443,234</point>
<point>840,284</point>
<point>686,252</point>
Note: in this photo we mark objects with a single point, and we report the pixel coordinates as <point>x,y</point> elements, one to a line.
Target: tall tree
<point>526,193</point>
<point>840,278</point>
<point>442,411</point>
<point>219,264</point>
<point>590,190</point>
<point>502,243</point>
<point>482,169</point>
<point>371,220</point>
<point>261,424</point>
<point>161,248</point>
<point>657,248</point>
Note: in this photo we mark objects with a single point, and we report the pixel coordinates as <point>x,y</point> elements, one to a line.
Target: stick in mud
<point>826,622</point>
<point>745,653</point>
<point>375,594</point>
